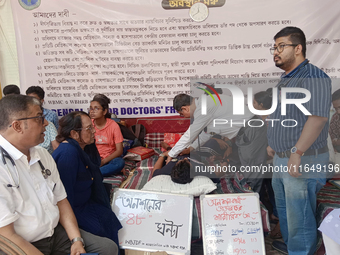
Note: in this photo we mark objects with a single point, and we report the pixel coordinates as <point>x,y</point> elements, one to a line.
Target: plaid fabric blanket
<point>153,140</point>
<point>142,173</point>
<point>328,199</point>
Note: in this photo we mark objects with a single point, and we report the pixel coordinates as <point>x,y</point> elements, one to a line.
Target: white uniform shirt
<point>201,121</point>
<point>33,206</point>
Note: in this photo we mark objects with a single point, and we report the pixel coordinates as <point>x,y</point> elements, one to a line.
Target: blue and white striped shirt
<point>309,77</point>
<point>51,116</point>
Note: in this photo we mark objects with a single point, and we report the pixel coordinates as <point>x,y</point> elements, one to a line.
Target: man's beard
<point>277,64</point>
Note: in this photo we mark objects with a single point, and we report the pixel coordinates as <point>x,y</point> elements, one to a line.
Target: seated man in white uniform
<point>34,211</point>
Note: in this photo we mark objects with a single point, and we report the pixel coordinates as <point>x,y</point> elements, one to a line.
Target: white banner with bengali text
<point>143,53</point>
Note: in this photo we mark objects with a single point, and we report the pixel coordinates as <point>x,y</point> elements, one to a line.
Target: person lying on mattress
<point>183,168</point>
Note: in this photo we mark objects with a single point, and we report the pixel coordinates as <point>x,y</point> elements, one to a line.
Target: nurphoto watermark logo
<point>240,101</point>
<point>204,99</point>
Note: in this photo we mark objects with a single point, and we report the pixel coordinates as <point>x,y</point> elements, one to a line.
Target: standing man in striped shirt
<point>300,151</point>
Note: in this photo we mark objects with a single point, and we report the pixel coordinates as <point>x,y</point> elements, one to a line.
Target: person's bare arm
<point>69,222</point>
<point>55,145</point>
<point>310,133</point>
<point>159,162</point>
<point>270,152</point>
<point>9,232</point>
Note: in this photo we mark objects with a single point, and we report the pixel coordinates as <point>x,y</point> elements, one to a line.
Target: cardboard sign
<point>153,221</point>
<point>232,224</point>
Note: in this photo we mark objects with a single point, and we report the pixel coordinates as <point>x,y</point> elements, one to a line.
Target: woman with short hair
<point>80,174</point>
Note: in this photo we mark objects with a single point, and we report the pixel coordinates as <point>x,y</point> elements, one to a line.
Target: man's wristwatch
<point>295,150</point>
<point>78,239</point>
<point>162,155</point>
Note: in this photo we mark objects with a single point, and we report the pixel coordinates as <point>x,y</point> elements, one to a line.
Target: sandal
<point>276,236</point>
<point>273,219</point>
<point>276,233</point>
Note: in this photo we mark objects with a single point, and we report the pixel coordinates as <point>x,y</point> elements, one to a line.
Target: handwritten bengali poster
<point>232,224</point>
<point>154,221</point>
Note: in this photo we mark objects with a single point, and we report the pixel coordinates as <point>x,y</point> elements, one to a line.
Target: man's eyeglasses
<point>280,48</point>
<point>89,128</point>
<point>36,117</point>
<point>180,111</point>
<point>95,109</point>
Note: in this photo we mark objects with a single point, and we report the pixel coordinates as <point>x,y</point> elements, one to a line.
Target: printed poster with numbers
<point>232,224</point>
<point>141,54</point>
<point>154,221</point>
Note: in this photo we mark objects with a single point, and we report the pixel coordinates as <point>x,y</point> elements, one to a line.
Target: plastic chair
<point>9,248</point>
